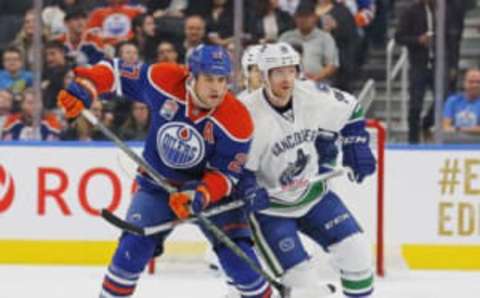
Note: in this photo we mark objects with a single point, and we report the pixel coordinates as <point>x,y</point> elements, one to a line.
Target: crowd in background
<point>332,35</point>
<point>417,31</point>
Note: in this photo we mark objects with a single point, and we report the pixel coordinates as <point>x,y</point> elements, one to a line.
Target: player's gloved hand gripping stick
<point>152,230</point>
<point>284,291</point>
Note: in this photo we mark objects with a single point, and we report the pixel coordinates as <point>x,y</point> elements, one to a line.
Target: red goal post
<point>379,130</point>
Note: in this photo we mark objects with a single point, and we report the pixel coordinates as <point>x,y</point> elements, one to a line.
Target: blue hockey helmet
<point>210,59</point>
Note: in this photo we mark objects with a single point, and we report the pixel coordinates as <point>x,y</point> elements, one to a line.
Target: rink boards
<point>50,195</point>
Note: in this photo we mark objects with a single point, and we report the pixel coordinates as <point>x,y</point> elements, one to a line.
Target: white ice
<point>84,282</point>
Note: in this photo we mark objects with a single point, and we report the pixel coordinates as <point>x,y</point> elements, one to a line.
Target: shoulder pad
<point>168,78</point>
<point>234,119</point>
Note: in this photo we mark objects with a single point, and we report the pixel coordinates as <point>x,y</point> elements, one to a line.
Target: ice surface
<point>83,282</point>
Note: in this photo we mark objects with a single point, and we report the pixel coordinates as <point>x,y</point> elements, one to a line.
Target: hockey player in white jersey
<point>250,71</point>
<point>297,128</point>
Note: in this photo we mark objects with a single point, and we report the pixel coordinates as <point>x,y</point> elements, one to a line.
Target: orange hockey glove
<point>78,95</point>
<point>192,199</point>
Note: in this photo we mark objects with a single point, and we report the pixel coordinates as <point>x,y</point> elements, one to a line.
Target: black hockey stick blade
<point>332,288</point>
<point>284,291</point>
<point>121,224</point>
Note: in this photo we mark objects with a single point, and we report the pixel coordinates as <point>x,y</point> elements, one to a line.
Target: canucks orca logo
<point>294,168</point>
<point>180,145</point>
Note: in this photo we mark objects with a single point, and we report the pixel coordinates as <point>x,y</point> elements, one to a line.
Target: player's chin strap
<point>204,221</point>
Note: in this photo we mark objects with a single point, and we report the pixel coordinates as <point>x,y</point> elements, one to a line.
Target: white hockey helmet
<point>250,57</point>
<point>277,55</point>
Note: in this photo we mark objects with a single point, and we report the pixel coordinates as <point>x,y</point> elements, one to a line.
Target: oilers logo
<point>180,145</point>
<point>295,168</point>
<point>116,25</point>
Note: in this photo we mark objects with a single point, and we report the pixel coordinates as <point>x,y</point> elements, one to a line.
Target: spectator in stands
<point>161,8</point>
<point>56,67</point>
<point>136,126</point>
<point>220,22</point>
<point>82,47</point>
<point>363,10</point>
<point>195,28</point>
<point>82,130</point>
<point>364,13</point>
<point>53,14</point>
<point>290,6</point>
<point>116,111</point>
<point>6,107</point>
<point>114,21</point>
<point>14,77</point>
<point>166,52</point>
<point>456,11</point>
<point>320,55</point>
<point>20,126</point>
<point>145,37</point>
<point>462,111</point>
<point>128,52</point>
<point>24,38</point>
<point>378,29</point>
<point>336,19</point>
<point>270,21</point>
<point>52,18</point>
<point>416,31</point>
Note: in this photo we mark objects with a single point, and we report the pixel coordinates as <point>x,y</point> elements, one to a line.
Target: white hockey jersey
<point>283,153</point>
<point>243,94</point>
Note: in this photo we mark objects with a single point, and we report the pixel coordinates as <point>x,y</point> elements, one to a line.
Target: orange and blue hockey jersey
<point>90,50</point>
<point>114,22</point>
<point>183,142</point>
<point>15,129</point>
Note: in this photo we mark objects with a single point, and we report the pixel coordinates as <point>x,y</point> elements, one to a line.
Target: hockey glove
<point>255,197</point>
<point>327,150</point>
<point>78,95</point>
<point>356,151</point>
<point>190,200</point>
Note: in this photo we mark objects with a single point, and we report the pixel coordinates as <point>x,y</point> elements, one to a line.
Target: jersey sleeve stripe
<point>101,74</point>
<point>217,184</point>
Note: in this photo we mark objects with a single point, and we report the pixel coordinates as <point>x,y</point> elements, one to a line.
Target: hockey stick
<point>152,230</point>
<point>148,231</point>
<point>207,224</point>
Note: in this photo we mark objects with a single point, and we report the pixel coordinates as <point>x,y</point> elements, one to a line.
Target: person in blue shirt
<point>462,111</point>
<point>13,76</point>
